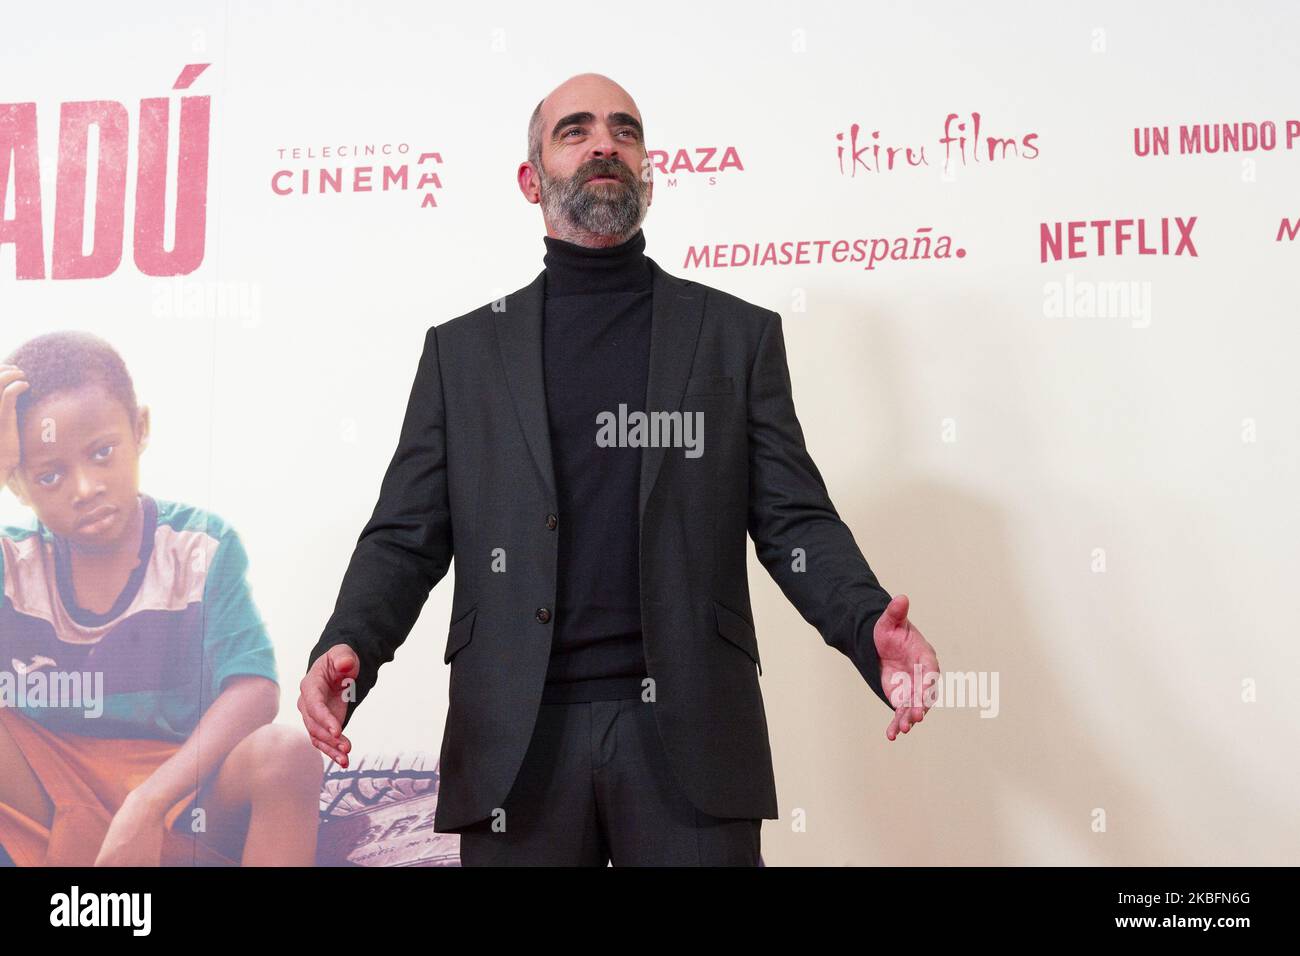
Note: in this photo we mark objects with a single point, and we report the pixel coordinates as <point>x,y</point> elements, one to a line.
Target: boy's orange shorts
<point>87,779</point>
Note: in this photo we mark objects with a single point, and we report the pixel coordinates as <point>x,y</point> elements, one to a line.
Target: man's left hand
<point>906,658</point>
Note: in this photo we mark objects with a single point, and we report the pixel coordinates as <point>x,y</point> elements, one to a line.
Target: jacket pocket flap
<point>709,385</point>
<point>459,634</point>
<point>738,631</point>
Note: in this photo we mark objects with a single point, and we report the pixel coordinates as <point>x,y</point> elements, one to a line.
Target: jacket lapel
<point>519,337</point>
<point>677,309</point>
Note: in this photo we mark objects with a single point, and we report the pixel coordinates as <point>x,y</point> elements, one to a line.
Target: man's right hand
<point>322,701</point>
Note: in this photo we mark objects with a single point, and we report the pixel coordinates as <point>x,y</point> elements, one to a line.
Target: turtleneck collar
<point>572,269</point>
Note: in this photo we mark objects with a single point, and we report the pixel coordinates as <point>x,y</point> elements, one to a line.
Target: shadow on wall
<point>1021,788</point>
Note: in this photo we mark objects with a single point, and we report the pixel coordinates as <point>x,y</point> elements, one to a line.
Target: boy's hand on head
<point>323,697</point>
<point>12,384</point>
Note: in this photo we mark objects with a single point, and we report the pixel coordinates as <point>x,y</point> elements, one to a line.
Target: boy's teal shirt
<point>184,624</point>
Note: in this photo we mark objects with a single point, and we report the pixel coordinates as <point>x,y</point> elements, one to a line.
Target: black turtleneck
<point>596,355</point>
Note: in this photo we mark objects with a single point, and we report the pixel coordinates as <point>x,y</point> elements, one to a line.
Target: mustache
<point>611,168</point>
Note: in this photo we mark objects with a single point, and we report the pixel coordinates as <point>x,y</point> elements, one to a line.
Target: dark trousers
<point>595,787</point>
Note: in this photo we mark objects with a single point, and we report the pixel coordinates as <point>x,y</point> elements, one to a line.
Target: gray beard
<point>575,209</point>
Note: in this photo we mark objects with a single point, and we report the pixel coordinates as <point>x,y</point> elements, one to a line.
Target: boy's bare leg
<point>265,799</point>
<point>19,787</point>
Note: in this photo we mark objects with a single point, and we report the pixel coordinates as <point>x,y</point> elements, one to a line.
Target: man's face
<point>593,155</point>
<point>80,466</point>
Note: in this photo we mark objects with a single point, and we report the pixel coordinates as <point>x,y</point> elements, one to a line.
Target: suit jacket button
<point>543,615</point>
<point>552,521</point>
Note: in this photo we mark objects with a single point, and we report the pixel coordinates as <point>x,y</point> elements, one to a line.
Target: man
<point>597,445</point>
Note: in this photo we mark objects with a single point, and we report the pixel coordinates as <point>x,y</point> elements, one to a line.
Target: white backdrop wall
<point>1097,509</point>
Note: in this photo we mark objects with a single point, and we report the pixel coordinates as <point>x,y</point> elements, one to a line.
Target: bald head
<point>542,123</point>
<point>586,163</point>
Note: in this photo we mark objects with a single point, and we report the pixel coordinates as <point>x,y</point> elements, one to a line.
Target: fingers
<point>926,666</point>
<point>323,727</point>
<point>334,746</point>
<point>322,687</point>
<point>897,610</point>
<point>338,756</point>
<point>318,732</point>
<point>905,717</point>
<point>342,663</point>
<point>311,703</point>
<point>322,696</point>
<point>12,383</point>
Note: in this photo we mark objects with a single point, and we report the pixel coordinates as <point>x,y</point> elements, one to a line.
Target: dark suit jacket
<point>472,473</point>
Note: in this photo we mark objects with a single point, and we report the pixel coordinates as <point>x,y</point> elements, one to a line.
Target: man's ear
<point>528,183</point>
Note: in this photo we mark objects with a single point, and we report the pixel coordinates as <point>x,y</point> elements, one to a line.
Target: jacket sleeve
<point>406,546</point>
<point>789,508</point>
